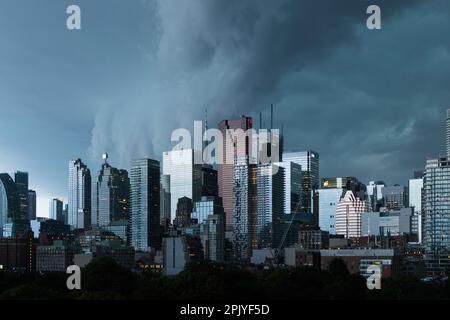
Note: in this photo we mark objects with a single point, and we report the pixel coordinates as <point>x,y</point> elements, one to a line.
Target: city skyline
<point>370,116</point>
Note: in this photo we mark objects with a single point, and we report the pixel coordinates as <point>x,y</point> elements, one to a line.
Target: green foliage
<point>104,279</point>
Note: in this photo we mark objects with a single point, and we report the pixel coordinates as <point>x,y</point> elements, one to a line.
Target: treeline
<point>104,279</point>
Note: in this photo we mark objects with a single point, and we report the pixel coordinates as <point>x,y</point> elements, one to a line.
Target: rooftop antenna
<point>271,116</point>
<point>260,120</point>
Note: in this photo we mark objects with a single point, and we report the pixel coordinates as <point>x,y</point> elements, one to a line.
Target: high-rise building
<point>31,205</point>
<point>415,190</point>
<point>293,186</point>
<point>145,204</point>
<point>210,187</point>
<point>183,213</point>
<point>21,179</point>
<point>56,210</point>
<point>447,124</point>
<point>79,206</point>
<point>165,201</point>
<point>213,237</point>
<point>9,205</point>
<point>111,196</point>
<point>436,236</point>
<point>231,150</point>
<point>348,215</point>
<point>185,176</point>
<point>245,209</point>
<point>374,194</point>
<point>328,201</point>
<point>395,197</point>
<point>270,205</point>
<point>205,207</point>
<point>309,161</point>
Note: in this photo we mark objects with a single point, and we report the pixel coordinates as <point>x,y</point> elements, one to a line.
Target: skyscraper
<point>348,215</point>
<point>31,205</point>
<point>145,204</point>
<point>185,176</point>
<point>111,196</point>
<point>447,124</point>
<point>79,214</point>
<point>165,201</point>
<point>231,150</point>
<point>309,161</point>
<point>436,237</point>
<point>270,205</point>
<point>56,210</point>
<point>9,204</point>
<point>395,197</point>
<point>21,179</point>
<point>328,201</point>
<point>293,186</point>
<point>415,190</point>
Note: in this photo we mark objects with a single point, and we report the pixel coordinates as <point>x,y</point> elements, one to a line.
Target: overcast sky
<point>372,103</point>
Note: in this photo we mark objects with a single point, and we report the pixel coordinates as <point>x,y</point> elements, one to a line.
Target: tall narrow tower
<point>448,133</point>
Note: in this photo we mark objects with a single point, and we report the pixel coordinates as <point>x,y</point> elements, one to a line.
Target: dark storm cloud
<point>371,102</point>
<point>361,98</point>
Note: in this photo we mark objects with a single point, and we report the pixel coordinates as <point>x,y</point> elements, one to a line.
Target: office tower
<point>293,186</point>
<point>56,210</point>
<point>309,161</point>
<point>395,197</point>
<point>328,201</point>
<point>374,194</point>
<point>270,205</point>
<point>245,209</point>
<point>447,124</point>
<point>205,207</point>
<point>165,201</point>
<point>111,196</point>
<point>348,215</point>
<point>185,176</point>
<point>231,150</point>
<point>79,214</point>
<point>210,186</point>
<point>183,213</point>
<point>9,204</point>
<point>31,205</point>
<point>21,179</point>
<point>213,236</point>
<point>415,191</point>
<point>145,204</point>
<point>436,236</point>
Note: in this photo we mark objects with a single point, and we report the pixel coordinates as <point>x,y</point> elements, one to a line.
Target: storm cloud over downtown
<point>91,93</point>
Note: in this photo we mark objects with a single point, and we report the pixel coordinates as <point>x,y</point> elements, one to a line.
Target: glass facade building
<point>293,186</point>
<point>415,192</point>
<point>79,206</point>
<point>111,196</point>
<point>8,201</point>
<point>205,207</point>
<point>437,216</point>
<point>145,204</point>
<point>348,215</point>
<point>185,176</point>
<point>309,162</point>
<point>328,201</point>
